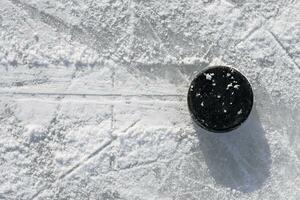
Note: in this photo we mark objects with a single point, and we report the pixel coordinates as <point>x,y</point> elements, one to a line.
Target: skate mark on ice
<point>283,48</point>
<point>97,151</point>
<point>84,35</point>
<point>113,77</point>
<point>112,106</point>
<point>156,35</point>
<point>251,32</point>
<point>132,18</point>
<point>137,165</point>
<point>85,160</point>
<point>112,117</point>
<point>41,15</point>
<point>87,36</point>
<point>91,94</point>
<point>72,169</point>
<point>256,28</point>
<point>130,126</point>
<point>52,123</point>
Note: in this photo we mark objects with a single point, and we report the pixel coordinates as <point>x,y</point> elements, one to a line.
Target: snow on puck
<point>220,99</point>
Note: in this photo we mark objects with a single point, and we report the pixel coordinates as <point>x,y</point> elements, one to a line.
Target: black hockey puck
<point>220,99</point>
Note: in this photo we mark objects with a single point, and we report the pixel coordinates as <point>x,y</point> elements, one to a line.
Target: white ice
<point>93,99</point>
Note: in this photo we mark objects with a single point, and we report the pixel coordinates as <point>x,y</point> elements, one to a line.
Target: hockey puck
<point>220,99</point>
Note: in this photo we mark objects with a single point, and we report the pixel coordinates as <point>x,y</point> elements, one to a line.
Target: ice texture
<point>93,99</point>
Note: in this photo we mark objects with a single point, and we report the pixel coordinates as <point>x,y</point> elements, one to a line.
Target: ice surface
<point>93,99</point>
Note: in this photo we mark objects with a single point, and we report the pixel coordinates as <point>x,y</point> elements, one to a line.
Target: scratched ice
<point>93,99</point>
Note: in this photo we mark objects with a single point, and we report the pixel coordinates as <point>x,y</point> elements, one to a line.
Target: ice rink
<point>93,99</point>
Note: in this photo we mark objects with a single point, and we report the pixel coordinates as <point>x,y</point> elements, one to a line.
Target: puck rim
<point>192,110</point>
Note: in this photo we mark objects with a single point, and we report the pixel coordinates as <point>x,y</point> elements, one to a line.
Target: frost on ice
<point>93,100</point>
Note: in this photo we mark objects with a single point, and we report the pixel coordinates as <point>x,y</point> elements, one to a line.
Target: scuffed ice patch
<point>93,99</point>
